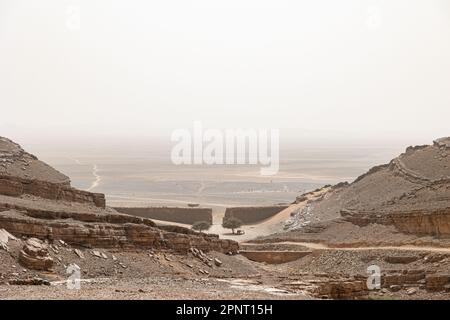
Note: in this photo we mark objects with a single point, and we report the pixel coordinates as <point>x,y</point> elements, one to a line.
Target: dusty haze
<point>375,69</point>
<point>96,87</point>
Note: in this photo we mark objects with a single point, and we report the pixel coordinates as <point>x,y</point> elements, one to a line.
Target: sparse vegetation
<point>201,226</point>
<point>232,223</point>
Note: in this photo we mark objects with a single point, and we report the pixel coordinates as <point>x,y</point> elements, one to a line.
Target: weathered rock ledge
<point>37,201</point>
<point>418,222</point>
<point>16,187</point>
<point>128,233</point>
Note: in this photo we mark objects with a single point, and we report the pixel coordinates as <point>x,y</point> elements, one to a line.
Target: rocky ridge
<point>412,193</point>
<point>22,173</point>
<point>36,201</point>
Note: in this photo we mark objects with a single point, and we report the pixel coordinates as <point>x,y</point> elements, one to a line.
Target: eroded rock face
<point>412,193</point>
<point>111,235</point>
<point>418,222</point>
<point>325,287</point>
<point>37,201</point>
<point>35,255</point>
<point>409,281</point>
<point>341,289</point>
<point>419,278</point>
<point>16,187</point>
<point>22,173</point>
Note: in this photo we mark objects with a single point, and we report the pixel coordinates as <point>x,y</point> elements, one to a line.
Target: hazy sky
<point>349,68</point>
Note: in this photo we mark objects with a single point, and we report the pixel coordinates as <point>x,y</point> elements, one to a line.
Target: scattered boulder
<point>411,291</point>
<point>217,262</point>
<point>96,253</point>
<point>203,257</point>
<point>79,253</point>
<point>326,287</point>
<point>395,288</point>
<point>35,255</point>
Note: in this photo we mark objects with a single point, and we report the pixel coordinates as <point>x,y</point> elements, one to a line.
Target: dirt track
<point>320,246</point>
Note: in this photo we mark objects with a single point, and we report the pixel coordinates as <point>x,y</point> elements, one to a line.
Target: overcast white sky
<point>322,68</point>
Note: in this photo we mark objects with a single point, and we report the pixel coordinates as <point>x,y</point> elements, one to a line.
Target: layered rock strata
<point>37,201</point>
<point>412,193</point>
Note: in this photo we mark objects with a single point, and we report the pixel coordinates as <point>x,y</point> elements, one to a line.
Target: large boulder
<point>35,255</point>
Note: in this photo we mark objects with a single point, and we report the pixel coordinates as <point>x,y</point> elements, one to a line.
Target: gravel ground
<point>149,288</point>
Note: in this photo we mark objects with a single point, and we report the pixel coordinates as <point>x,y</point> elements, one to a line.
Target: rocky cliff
<point>36,201</point>
<point>411,193</point>
<point>23,174</point>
